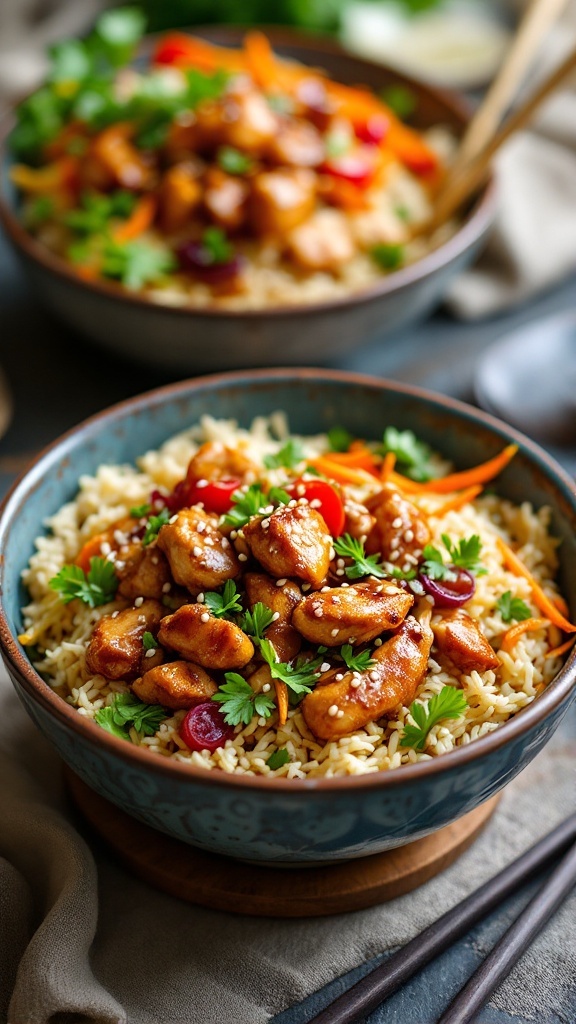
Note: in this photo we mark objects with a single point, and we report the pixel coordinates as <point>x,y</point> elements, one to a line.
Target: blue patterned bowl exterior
<point>280,821</point>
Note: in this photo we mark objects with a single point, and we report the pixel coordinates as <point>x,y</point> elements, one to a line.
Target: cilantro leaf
<point>449,703</point>
<point>339,439</point>
<point>251,502</point>
<point>240,702</point>
<point>256,622</point>
<point>364,565</point>
<point>118,32</point>
<point>388,256</point>
<point>465,553</point>
<point>136,263</point>
<point>140,510</point>
<point>278,758</point>
<point>225,604</point>
<point>359,662</point>
<point>216,245</point>
<point>433,565</point>
<point>149,641</point>
<point>233,161</point>
<point>278,496</point>
<point>512,608</point>
<point>300,677</point>
<point>97,587</point>
<point>290,456</point>
<point>412,455</point>
<point>153,526</point>
<point>126,711</point>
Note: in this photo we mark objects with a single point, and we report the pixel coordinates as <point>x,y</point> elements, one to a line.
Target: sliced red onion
<point>450,593</point>
<point>204,728</point>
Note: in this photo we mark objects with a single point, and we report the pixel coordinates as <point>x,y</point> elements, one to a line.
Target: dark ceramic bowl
<point>198,340</point>
<point>279,820</point>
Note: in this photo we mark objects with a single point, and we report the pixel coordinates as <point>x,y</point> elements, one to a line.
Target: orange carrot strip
<point>404,483</point>
<point>139,220</point>
<point>387,468</point>
<point>560,604</point>
<point>281,700</point>
<point>260,59</point>
<point>458,500</point>
<point>544,603</point>
<point>359,459</point>
<point>43,180</point>
<point>192,52</point>
<point>555,652</point>
<point>511,635</point>
<point>342,474</point>
<point>477,475</point>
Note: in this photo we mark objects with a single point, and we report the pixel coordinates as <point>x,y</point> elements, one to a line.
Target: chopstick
<point>363,997</point>
<point>512,945</point>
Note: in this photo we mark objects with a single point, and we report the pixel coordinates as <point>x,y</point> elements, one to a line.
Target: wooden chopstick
<point>513,943</point>
<point>363,997</point>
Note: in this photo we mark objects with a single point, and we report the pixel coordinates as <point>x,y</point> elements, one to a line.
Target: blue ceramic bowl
<point>282,821</point>
<point>212,339</point>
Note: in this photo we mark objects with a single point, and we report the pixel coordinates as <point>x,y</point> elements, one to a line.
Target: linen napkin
<point>91,944</point>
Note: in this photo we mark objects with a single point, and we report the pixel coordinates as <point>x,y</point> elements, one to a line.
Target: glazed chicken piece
<point>226,199</point>
<point>281,200</point>
<point>339,708</point>
<point>353,614</point>
<point>241,119</point>
<point>291,542</point>
<point>179,684</point>
<point>460,638</point>
<point>115,650</point>
<point>114,151</point>
<point>180,196</point>
<point>322,242</point>
<point>200,557</point>
<point>282,601</point>
<point>203,638</point>
<point>359,521</point>
<point>214,460</point>
<point>143,572</point>
<point>400,526</point>
<point>297,144</point>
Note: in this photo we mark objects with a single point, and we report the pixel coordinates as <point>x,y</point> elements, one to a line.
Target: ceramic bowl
<point>199,340</point>
<point>282,821</point>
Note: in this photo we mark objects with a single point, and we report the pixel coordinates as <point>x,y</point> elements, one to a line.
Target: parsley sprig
<point>252,502</point>
<point>363,564</point>
<point>449,703</point>
<point>412,455</point>
<point>278,758</point>
<point>256,622</point>
<point>136,263</point>
<point>289,456</point>
<point>339,439</point>
<point>226,604</point>
<point>239,702</point>
<point>233,161</point>
<point>154,525</point>
<point>463,555</point>
<point>512,608</point>
<point>94,588</point>
<point>126,711</point>
<point>299,677</point>
<point>356,661</point>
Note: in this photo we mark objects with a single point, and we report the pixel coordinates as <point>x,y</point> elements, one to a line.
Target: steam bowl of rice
<point>321,757</point>
<point>308,245</point>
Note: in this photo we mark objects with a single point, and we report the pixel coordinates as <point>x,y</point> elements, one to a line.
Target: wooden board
<point>220,883</point>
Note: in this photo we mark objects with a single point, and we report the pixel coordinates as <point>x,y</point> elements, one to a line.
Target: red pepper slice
<point>172,49</point>
<point>374,130</point>
<point>216,495</point>
<point>356,167</point>
<point>330,504</point>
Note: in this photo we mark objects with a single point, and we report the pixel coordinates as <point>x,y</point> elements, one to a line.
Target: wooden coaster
<point>225,884</point>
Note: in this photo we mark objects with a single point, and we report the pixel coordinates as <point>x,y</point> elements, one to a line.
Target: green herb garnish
<point>215,243</point>
<point>412,455</point>
<point>389,256</point>
<point>363,564</point>
<point>356,662</point>
<point>300,677</point>
<point>233,161</point>
<point>126,711</point>
<point>94,588</point>
<point>93,214</point>
<point>149,642</point>
<point>38,211</point>
<point>154,525</point>
<point>256,622</point>
<point>289,456</point>
<point>226,604</point>
<point>239,701</point>
<point>252,502</point>
<point>449,703</point>
<point>401,100</point>
<point>136,263</point>
<point>339,439</point>
<point>463,555</point>
<point>140,510</point>
<point>278,758</point>
<point>512,608</point>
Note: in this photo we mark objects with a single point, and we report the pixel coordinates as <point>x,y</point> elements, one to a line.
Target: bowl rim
<point>553,696</point>
<point>474,225</point>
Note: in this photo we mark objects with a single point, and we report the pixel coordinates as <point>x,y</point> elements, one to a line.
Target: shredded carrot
<point>555,652</point>
<point>511,635</point>
<point>560,604</point>
<point>342,474</point>
<point>190,51</point>
<point>387,468</point>
<point>458,500</point>
<point>404,483</point>
<point>44,180</point>
<point>260,59</point>
<point>281,701</point>
<point>477,475</point>
<point>544,603</point>
<point>139,220</point>
<point>93,547</point>
<point>361,458</point>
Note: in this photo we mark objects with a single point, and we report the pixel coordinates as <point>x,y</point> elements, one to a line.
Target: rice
<point>60,633</point>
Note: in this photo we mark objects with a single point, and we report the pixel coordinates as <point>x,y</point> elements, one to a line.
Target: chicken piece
<point>179,684</point>
<point>296,144</point>
<point>400,527</point>
<point>214,460</point>
<point>143,572</point>
<point>115,650</point>
<point>282,601</point>
<point>226,199</point>
<point>182,139</point>
<point>339,708</point>
<point>204,638</point>
<point>291,542</point>
<point>377,227</point>
<point>113,149</point>
<point>459,637</point>
<point>180,196</point>
<point>323,242</point>
<point>242,119</point>
<point>200,559</point>
<point>359,521</point>
<point>353,614</point>
<point>281,200</point>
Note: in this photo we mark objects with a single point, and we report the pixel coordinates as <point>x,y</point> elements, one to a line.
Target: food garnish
<point>363,564</point>
<point>227,603</point>
<point>125,712</point>
<point>359,661</point>
<point>256,622</point>
<point>512,608</point>
<point>149,641</point>
<point>463,555</point>
<point>290,456</point>
<point>299,677</point>
<point>154,525</point>
<point>278,758</point>
<point>449,703</point>
<point>97,586</point>
<point>412,455</point>
<point>239,702</point>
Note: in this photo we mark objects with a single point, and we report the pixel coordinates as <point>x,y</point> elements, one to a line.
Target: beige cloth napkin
<point>150,958</point>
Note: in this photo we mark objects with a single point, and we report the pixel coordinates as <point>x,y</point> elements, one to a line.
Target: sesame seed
<point>205,617</point>
<point>197,550</point>
<point>139,601</point>
<point>352,590</point>
<point>318,613</point>
<point>315,503</point>
<point>142,618</point>
<point>266,688</point>
<point>378,642</point>
<point>334,632</point>
<point>406,567</point>
<point>340,563</point>
<point>355,683</point>
<point>202,483</point>
<point>394,543</point>
<point>325,666</point>
<point>275,616</point>
<point>166,588</point>
<point>332,553</point>
<point>115,614</point>
<point>261,721</point>
<point>292,504</point>
<point>200,599</point>
<point>120,537</point>
<point>340,572</point>
<point>105,548</point>
<point>200,526</point>
<point>233,534</point>
<point>345,584</point>
<point>339,676</point>
<point>150,653</point>
<point>300,490</point>
<point>120,565</point>
<point>111,557</point>
<point>173,519</point>
<point>394,556</point>
<point>265,524</point>
<point>335,599</point>
<point>351,639</point>
<point>416,587</point>
<point>269,510</point>
<point>324,590</point>
<point>282,582</point>
<point>397,523</point>
<point>333,710</point>
<point>242,557</point>
<point>409,536</point>
<point>306,587</point>
<point>154,559</point>
<point>374,677</point>
<point>340,714</point>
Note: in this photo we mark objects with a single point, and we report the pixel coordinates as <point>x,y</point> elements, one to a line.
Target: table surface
<point>56,380</point>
